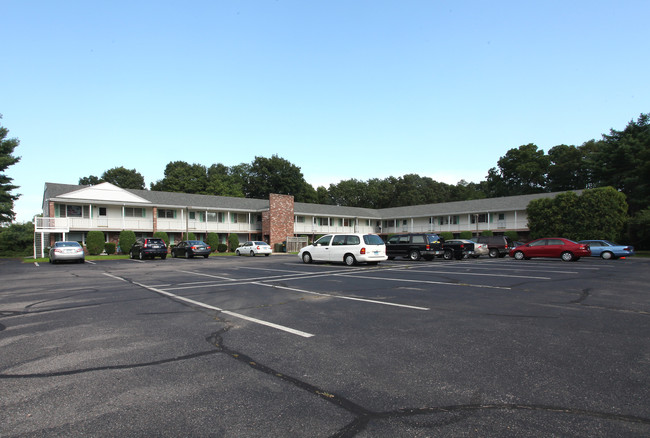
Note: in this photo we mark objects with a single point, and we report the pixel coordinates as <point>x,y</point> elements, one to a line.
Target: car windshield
<point>195,242</point>
<point>66,244</point>
<point>373,239</point>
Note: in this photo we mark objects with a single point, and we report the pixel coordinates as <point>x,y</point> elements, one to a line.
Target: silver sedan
<point>67,251</point>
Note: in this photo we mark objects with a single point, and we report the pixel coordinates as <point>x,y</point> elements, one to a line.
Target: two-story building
<point>71,211</point>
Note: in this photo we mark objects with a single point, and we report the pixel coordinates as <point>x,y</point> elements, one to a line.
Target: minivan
<point>347,248</point>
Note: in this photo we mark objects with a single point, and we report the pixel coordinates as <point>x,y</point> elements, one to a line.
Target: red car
<point>566,249</point>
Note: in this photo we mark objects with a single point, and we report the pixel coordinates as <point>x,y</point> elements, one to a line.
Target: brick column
<point>280,218</point>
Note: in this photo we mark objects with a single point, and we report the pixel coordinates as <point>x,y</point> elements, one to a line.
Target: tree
<point>7,146</point>
<point>599,213</point>
<point>221,181</point>
<point>277,175</point>
<point>17,239</point>
<point>90,180</point>
<point>124,178</point>
<point>568,170</point>
<point>640,229</point>
<point>183,177</point>
<point>212,239</point>
<point>623,162</point>
<point>520,171</point>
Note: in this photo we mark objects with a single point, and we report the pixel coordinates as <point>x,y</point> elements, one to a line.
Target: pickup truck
<point>458,249</point>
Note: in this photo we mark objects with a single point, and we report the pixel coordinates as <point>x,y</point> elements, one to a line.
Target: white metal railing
<point>51,224</point>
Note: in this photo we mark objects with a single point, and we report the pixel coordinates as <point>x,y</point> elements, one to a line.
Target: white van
<point>347,248</point>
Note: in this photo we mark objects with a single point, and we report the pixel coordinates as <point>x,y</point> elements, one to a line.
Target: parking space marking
<point>480,273</point>
<point>227,312</point>
<point>445,283</point>
<point>343,297</point>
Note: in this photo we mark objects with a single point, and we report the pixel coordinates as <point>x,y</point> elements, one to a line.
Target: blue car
<point>608,250</point>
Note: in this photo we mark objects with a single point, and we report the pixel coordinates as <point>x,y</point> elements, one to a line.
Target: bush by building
<point>126,241</point>
<point>95,242</point>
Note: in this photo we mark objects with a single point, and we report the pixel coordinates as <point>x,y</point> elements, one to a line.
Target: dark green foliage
<point>487,233</point>
<point>190,236</point>
<point>222,247</point>
<point>17,240</point>
<point>212,239</point>
<point>126,241</point>
<point>233,242</point>
<point>277,175</point>
<point>513,235</point>
<point>446,235</point>
<point>596,214</point>
<point>465,235</point>
<point>640,229</point>
<point>95,242</point>
<point>162,235</point>
<point>7,146</point>
<point>110,247</point>
<point>118,176</point>
<point>520,171</point>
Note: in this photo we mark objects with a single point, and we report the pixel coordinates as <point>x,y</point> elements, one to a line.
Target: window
<point>482,218</point>
<point>300,219</point>
<point>403,239</point>
<point>192,215</point>
<point>419,239</point>
<point>212,216</point>
<point>167,214</point>
<point>338,240</point>
<point>347,223</point>
<point>404,222</point>
<point>133,212</point>
<point>102,211</point>
<point>502,216</point>
<point>324,241</point>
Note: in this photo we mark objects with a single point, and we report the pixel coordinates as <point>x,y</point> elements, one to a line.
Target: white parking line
<point>486,275</point>
<point>343,297</point>
<point>227,312</point>
<point>446,283</point>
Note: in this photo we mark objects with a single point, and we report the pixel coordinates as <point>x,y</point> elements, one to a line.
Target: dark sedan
<point>457,249</point>
<point>553,247</point>
<point>191,248</point>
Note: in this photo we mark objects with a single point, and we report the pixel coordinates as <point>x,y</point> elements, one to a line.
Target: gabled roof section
<point>104,192</point>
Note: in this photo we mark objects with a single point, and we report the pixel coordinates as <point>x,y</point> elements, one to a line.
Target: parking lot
<point>269,346</point>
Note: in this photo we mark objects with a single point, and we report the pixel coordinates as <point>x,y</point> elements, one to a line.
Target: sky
<point>342,89</point>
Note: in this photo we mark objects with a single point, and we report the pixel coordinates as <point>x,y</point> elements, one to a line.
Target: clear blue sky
<point>342,89</point>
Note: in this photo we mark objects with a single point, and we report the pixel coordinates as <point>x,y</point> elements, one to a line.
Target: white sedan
<point>253,248</point>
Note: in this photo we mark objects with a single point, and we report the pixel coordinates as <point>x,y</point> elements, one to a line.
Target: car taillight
<point>258,247</point>
<point>363,251</point>
<point>428,247</point>
<point>627,249</point>
<point>58,250</point>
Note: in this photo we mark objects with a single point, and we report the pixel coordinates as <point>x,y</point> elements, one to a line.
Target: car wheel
<point>237,253</point>
<point>448,254</point>
<point>173,254</point>
<point>350,260</point>
<point>494,253</point>
<point>566,256</point>
<point>306,258</point>
<point>606,255</point>
<point>252,253</point>
<point>391,258</point>
<point>140,255</point>
<point>52,261</point>
<point>131,256</point>
<point>163,257</point>
<point>519,255</point>
<point>266,255</point>
<point>414,255</point>
<point>189,255</point>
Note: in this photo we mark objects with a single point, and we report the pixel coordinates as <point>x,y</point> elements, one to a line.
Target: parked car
<point>566,249</point>
<point>608,250</point>
<point>67,252</point>
<point>191,248</point>
<point>499,246</point>
<point>479,248</point>
<point>458,249</point>
<point>415,246</point>
<point>252,248</point>
<point>347,248</point>
<point>148,247</point>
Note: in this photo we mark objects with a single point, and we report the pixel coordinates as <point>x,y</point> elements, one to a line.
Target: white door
<point>321,250</point>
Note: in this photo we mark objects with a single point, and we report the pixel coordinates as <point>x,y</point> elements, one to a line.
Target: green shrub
<point>126,241</point>
<point>465,234</point>
<point>222,247</point>
<point>446,235</point>
<point>233,242</point>
<point>162,235</point>
<point>109,247</point>
<point>513,235</point>
<point>213,240</point>
<point>487,233</point>
<point>95,242</point>
<point>190,236</point>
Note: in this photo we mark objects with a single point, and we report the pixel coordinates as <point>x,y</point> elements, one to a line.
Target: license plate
<point>376,252</point>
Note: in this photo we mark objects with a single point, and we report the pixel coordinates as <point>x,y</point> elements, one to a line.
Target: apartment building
<point>71,211</point>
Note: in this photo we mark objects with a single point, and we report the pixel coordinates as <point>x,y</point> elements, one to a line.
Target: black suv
<point>148,247</point>
<point>499,246</point>
<point>415,246</point>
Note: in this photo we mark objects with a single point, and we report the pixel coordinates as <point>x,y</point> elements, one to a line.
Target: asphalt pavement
<point>272,347</point>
